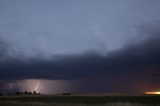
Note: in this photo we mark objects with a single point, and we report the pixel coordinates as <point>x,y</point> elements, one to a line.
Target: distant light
<point>152,93</point>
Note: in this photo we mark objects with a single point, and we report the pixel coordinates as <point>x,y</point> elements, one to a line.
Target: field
<point>80,101</point>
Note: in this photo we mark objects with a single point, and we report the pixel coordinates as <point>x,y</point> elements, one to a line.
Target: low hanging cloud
<point>134,57</point>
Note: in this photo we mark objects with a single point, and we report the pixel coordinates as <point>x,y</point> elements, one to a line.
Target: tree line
<point>22,93</point>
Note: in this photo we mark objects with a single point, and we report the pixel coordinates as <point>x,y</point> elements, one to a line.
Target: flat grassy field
<point>80,100</point>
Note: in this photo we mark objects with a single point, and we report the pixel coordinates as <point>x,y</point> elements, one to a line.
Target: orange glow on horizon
<point>153,93</point>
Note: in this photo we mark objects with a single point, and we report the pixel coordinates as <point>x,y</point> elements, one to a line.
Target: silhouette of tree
<point>66,93</point>
<point>1,94</point>
<point>34,92</point>
<point>26,92</point>
<point>17,93</point>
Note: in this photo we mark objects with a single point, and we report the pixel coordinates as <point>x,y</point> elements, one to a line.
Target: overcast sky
<point>79,39</point>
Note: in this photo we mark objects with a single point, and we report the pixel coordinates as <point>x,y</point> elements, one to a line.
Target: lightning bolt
<point>37,86</point>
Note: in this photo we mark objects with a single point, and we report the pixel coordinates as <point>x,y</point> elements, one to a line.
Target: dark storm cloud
<point>142,57</point>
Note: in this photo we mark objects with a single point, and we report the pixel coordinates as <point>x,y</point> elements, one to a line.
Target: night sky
<point>80,46</point>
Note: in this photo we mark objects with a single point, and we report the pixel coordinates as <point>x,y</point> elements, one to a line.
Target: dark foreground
<point>80,101</point>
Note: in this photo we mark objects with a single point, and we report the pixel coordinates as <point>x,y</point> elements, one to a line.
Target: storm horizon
<point>80,46</point>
